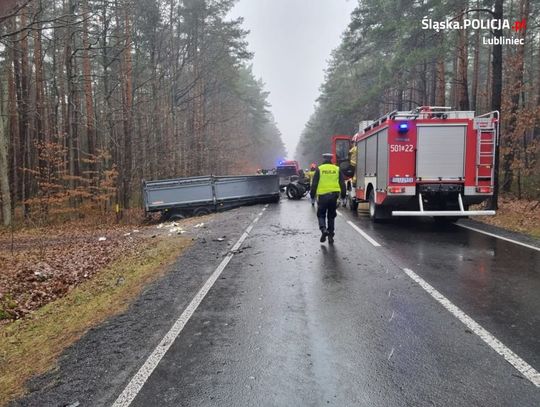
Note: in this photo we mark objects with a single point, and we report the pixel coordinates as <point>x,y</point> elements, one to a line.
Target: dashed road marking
<point>523,367</point>
<point>137,382</point>
<point>364,234</point>
<point>339,213</point>
<point>499,237</point>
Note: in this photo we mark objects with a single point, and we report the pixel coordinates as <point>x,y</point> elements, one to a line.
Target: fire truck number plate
<point>401,148</point>
<point>402,180</point>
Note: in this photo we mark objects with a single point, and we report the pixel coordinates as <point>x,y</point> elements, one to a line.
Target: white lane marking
<point>392,317</point>
<point>391,353</point>
<point>523,367</point>
<point>137,382</point>
<point>364,234</point>
<point>339,213</point>
<point>499,237</point>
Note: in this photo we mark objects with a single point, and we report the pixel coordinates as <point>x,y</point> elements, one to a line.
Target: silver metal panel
<point>207,190</point>
<point>361,163</point>
<point>174,192</point>
<point>371,155</point>
<point>382,160</point>
<point>245,187</point>
<point>441,152</point>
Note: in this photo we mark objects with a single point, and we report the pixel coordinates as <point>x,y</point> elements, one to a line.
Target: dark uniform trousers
<point>326,208</point>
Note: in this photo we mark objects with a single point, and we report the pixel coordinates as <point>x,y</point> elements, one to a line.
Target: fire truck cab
<point>431,161</point>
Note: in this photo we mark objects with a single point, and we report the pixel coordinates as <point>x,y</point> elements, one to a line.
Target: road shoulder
<point>95,367</point>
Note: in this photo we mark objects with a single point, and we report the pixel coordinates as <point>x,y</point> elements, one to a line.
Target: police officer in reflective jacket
<point>328,186</point>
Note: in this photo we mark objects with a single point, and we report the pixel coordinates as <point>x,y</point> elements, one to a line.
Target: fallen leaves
<point>38,268</point>
<point>519,215</point>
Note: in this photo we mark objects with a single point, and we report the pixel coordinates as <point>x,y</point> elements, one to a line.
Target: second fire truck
<point>431,161</point>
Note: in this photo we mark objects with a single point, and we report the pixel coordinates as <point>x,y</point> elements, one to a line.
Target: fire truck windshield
<point>286,170</point>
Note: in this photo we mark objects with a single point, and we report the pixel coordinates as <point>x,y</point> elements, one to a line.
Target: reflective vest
<point>328,179</point>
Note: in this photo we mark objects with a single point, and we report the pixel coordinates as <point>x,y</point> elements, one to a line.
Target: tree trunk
<point>39,118</point>
<point>14,131</point>
<point>71,129</point>
<point>512,140</point>
<point>24,108</point>
<point>476,65</point>
<point>4,162</point>
<point>496,95</point>
<point>462,86</point>
<point>88,96</point>
<point>127,108</point>
<point>440,88</point>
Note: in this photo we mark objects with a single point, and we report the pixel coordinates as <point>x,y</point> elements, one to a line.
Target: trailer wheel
<point>375,211</point>
<point>201,211</point>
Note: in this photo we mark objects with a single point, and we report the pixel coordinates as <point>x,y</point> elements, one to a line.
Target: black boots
<point>324,233</point>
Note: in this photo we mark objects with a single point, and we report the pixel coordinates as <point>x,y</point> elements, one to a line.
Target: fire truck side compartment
<point>382,159</point>
<point>371,156</point>
<point>361,163</point>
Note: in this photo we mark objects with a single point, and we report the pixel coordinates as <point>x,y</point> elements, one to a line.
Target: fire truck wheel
<point>374,209</point>
<point>352,204</point>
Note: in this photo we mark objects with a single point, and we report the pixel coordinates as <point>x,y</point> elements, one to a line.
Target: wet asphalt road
<point>292,322</point>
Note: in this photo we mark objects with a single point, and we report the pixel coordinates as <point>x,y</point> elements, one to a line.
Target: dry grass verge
<point>32,345</point>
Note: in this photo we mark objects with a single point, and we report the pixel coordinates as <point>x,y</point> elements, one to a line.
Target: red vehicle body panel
<point>402,163</point>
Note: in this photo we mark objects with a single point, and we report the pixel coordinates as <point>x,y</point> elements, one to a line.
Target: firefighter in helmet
<point>328,186</point>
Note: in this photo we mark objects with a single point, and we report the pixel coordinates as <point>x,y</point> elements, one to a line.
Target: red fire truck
<point>285,170</point>
<point>431,161</point>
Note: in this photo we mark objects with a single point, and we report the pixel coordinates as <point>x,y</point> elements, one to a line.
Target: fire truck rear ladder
<point>487,135</point>
<point>487,138</point>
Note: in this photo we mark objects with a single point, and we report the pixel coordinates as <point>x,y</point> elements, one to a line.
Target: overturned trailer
<point>194,196</point>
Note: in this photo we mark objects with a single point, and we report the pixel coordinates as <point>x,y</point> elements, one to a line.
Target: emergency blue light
<point>403,127</point>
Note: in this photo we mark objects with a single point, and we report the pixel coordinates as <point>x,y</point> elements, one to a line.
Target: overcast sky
<point>292,41</point>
